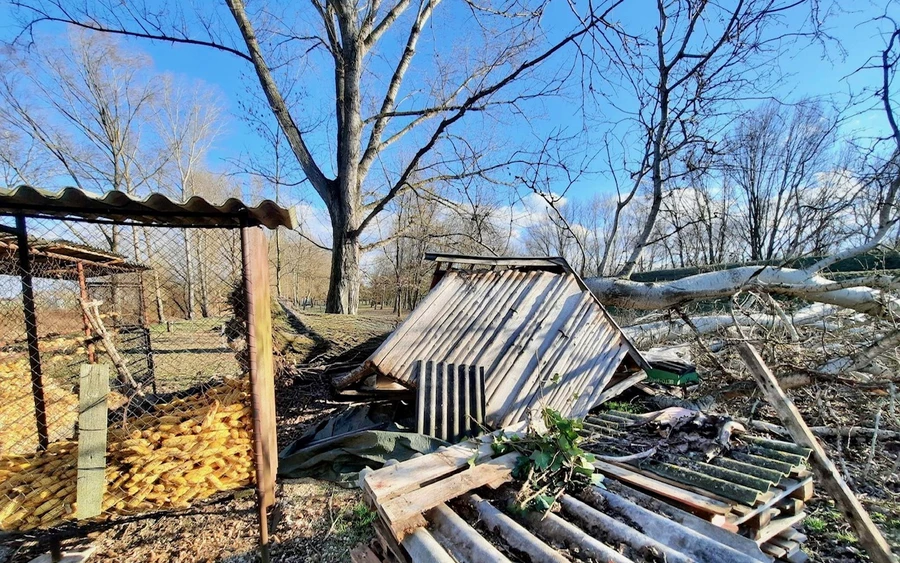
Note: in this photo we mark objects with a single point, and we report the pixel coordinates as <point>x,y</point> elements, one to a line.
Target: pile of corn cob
<point>18,430</point>
<point>182,451</point>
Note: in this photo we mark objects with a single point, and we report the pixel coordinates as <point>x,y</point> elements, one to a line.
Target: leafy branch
<point>552,461</point>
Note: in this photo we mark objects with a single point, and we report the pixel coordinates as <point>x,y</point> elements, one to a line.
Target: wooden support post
<point>31,333</point>
<point>92,412</point>
<point>870,537</point>
<point>262,372</point>
<point>86,325</point>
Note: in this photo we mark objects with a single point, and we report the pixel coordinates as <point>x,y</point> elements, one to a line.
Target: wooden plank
<point>775,527</point>
<point>790,546</point>
<point>870,537</point>
<point>405,512</point>
<point>92,424</point>
<point>394,480</point>
<point>688,498</point>
<point>262,368</point>
<point>773,550</point>
<point>620,387</point>
<point>255,250</point>
<point>788,489</point>
<point>806,492</point>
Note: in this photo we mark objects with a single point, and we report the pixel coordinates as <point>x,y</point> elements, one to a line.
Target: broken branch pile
<point>179,452</point>
<point>708,464</point>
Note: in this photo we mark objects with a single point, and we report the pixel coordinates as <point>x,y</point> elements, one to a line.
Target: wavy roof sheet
<point>542,338</point>
<point>156,209</point>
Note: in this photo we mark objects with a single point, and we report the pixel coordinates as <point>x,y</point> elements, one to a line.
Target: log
<point>826,431</point>
<point>870,537</point>
<point>92,312</point>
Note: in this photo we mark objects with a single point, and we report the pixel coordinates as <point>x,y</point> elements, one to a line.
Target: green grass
<point>815,524</point>
<point>621,406</point>
<point>354,524</point>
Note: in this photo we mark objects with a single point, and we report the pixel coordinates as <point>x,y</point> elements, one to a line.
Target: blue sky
<point>811,72</point>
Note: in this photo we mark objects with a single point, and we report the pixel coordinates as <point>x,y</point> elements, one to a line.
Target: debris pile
<point>709,464</point>
<point>454,505</point>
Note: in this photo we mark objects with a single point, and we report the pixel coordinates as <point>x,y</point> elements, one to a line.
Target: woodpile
<point>180,452</point>
<point>451,506</point>
<point>756,487</point>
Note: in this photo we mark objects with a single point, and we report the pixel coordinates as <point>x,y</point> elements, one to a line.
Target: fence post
<point>92,427</point>
<point>255,252</point>
<point>31,333</point>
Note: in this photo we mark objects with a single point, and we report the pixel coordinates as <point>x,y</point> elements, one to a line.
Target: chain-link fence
<point>124,383</point>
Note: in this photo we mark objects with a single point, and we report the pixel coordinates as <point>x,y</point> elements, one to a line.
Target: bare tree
<point>189,122</point>
<point>497,71</point>
<point>775,157</point>
<point>702,59</point>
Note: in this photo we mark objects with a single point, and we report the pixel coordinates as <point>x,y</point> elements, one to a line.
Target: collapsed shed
<point>541,338</point>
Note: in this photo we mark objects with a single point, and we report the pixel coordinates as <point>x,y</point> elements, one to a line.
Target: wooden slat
<point>404,512</point>
<point>92,424</point>
<point>688,498</point>
<point>389,482</point>
<point>775,527</point>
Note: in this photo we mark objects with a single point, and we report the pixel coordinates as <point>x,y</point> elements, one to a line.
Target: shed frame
<point>118,208</point>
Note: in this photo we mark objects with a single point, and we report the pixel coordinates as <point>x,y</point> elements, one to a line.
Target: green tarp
<point>339,448</point>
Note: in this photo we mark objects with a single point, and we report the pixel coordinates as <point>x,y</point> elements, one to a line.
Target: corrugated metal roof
<point>156,209</point>
<point>541,338</point>
<point>58,259</point>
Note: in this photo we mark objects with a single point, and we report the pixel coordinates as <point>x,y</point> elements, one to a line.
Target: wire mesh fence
<point>141,328</point>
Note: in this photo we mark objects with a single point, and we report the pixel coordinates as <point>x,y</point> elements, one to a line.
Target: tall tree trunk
<point>188,275</point>
<point>277,263</point>
<point>346,202</point>
<point>343,287</point>
<point>202,274</point>
<point>160,308</point>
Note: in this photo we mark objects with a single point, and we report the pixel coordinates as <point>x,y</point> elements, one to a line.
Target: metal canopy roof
<point>59,259</point>
<point>155,210</point>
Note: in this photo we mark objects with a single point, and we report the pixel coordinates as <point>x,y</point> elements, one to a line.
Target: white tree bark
<point>677,328</point>
<point>725,283</point>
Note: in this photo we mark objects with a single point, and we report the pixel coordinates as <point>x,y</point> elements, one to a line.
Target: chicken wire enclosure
<point>136,370</point>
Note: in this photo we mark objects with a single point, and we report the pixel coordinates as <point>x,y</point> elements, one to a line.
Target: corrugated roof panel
<point>523,326</point>
<point>156,209</point>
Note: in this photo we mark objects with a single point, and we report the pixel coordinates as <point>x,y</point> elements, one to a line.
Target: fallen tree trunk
<point>675,328</point>
<point>725,283</point>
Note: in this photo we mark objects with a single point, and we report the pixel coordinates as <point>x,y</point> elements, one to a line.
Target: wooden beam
<point>255,250</point>
<point>92,424</point>
<point>870,537</point>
